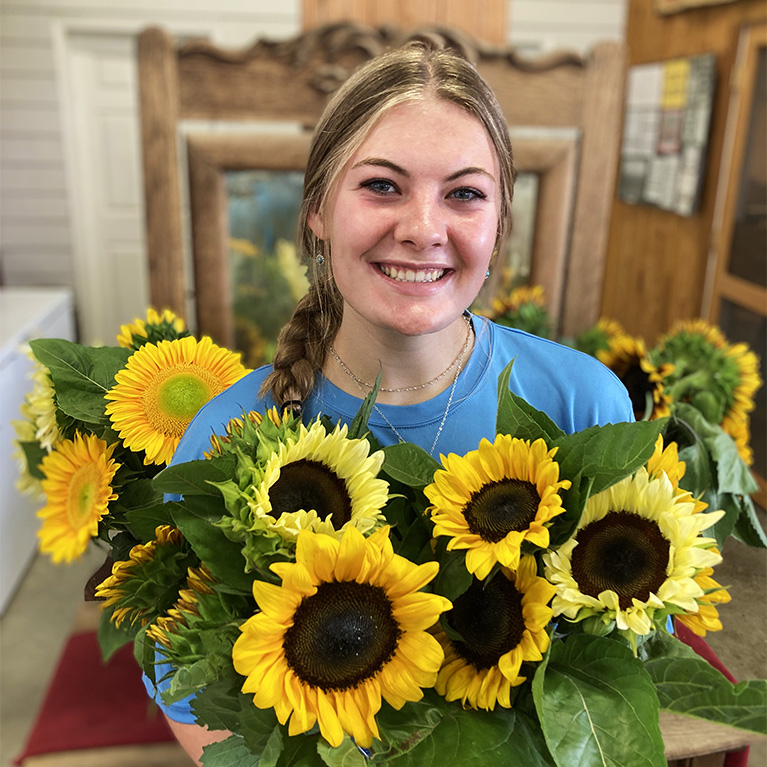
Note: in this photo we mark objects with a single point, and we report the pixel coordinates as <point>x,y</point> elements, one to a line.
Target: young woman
<point>407,200</point>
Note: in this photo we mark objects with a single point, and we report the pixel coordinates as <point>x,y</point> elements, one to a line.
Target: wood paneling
<point>484,19</point>
<point>656,261</point>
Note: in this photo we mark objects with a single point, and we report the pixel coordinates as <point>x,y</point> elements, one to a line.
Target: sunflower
<point>319,481</point>
<point>77,485</point>
<point>494,498</point>
<point>145,585</point>
<point>717,377</point>
<point>740,430</point>
<point>599,336</point>
<point>665,460</point>
<point>524,308</point>
<point>707,617</point>
<point>502,623</point>
<point>241,429</point>
<point>199,582</point>
<point>346,628</point>
<point>157,327</point>
<point>39,406</point>
<point>627,357</point>
<point>637,550</point>
<point>26,482</point>
<point>161,389</point>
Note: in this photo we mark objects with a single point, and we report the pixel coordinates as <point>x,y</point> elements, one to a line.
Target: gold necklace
<point>458,360</point>
<point>434,380</point>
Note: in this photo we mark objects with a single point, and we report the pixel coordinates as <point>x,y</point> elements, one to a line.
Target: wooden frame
<point>721,283</point>
<point>292,81</point>
<point>554,162</point>
<point>209,157</point>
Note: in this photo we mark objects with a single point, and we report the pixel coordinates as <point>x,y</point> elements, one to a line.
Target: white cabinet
<point>25,314</point>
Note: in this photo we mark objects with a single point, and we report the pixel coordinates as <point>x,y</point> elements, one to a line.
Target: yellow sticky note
<point>675,82</point>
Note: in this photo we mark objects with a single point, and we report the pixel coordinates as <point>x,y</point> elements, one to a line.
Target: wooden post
<point>158,95</point>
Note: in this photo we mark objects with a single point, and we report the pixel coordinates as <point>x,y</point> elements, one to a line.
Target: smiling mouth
<point>411,275</point>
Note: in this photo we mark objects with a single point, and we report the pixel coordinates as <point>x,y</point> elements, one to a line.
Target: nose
<point>421,222</point>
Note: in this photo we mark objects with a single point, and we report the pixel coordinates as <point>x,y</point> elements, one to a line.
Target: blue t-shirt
<point>574,390</point>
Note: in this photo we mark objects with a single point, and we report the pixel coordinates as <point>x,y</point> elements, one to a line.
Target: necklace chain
<point>457,361</point>
<point>434,380</point>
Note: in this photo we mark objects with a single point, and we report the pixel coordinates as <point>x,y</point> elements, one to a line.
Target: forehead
<point>428,129</point>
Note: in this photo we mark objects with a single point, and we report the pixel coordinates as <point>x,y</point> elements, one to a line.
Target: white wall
<point>547,25</point>
<point>38,245</point>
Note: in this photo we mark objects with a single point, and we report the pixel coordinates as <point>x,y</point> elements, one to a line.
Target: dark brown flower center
<point>499,507</point>
<point>622,552</point>
<point>310,485</point>
<point>639,386</point>
<point>489,618</point>
<point>342,635</point>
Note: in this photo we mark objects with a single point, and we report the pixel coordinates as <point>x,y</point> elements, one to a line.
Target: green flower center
<point>624,553</point>
<point>489,618</point>
<point>82,496</point>
<point>500,507</point>
<point>174,395</point>
<point>342,635</point>
<point>311,485</point>
<point>182,395</point>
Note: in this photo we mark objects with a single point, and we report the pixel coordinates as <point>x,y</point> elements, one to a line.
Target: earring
<point>487,274</point>
<point>320,259</point>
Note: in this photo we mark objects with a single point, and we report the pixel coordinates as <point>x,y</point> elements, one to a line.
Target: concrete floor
<point>35,626</point>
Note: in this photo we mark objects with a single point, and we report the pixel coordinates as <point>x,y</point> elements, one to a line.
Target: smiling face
<point>413,220</point>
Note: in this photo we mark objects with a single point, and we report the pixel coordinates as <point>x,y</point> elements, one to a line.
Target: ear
<point>316,224</point>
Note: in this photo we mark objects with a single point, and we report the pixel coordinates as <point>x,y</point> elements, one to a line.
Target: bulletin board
<point>665,133</point>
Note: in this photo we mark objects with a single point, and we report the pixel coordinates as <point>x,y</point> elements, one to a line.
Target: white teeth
<point>408,275</point>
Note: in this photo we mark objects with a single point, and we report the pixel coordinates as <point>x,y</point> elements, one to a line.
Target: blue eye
<point>379,185</point>
<point>467,193</point>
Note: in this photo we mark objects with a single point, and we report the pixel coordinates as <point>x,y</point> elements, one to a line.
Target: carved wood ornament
<point>291,81</point>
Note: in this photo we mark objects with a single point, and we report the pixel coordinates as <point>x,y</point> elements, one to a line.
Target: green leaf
<point>221,706</point>
<point>748,529</point>
<point>520,419</point>
<point>687,684</point>
<point>33,455</point>
<point>345,755</point>
<point>111,638</point>
<point>732,508</point>
<point>434,733</point>
<point>222,556</point>
<point>597,705</point>
<point>606,454</point>
<point>409,464</point>
<point>232,752</point>
<point>143,522</point>
<point>732,474</point>
<point>195,477</point>
<point>81,375</point>
<point>359,425</point>
<point>300,751</point>
<point>453,579</point>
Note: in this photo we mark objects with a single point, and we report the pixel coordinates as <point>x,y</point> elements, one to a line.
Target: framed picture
<point>665,133</point>
<point>542,219</point>
<point>245,195</point>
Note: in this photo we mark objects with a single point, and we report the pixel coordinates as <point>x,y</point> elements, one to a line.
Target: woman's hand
<point>193,737</point>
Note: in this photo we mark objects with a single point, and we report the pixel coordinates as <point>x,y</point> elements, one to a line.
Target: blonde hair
<point>415,71</point>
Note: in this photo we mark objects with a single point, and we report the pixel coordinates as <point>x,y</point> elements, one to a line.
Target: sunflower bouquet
<point>101,422</point>
<point>324,601</point>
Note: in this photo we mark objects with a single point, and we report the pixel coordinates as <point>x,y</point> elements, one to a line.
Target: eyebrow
<point>381,163</point>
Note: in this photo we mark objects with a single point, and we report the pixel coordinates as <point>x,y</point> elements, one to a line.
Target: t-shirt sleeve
<point>181,710</point>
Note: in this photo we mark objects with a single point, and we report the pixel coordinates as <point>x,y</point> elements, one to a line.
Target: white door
<point>99,94</point>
